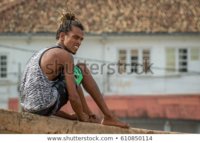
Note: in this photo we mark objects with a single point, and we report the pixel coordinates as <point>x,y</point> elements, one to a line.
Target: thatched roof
<point>103,16</point>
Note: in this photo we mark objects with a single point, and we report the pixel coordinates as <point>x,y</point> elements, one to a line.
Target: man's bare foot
<point>94,119</point>
<point>114,122</point>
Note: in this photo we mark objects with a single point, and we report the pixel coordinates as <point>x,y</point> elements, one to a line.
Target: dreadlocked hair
<point>66,21</point>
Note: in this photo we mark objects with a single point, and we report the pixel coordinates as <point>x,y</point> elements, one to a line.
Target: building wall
<point>100,51</point>
<point>13,46</point>
<point>158,81</point>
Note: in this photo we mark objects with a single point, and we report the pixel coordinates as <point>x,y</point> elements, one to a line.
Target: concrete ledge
<point>15,122</point>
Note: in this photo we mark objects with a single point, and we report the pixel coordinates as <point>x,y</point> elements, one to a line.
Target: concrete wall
<point>26,123</point>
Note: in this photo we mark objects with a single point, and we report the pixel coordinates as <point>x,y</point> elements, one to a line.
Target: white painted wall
<point>9,86</point>
<point>106,49</point>
<point>159,82</point>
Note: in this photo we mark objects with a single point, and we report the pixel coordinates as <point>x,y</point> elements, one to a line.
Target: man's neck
<point>64,47</point>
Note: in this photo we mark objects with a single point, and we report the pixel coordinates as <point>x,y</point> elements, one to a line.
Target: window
<point>183,64</point>
<point>195,54</point>
<point>133,60</point>
<point>146,59</point>
<point>170,60</point>
<point>3,66</point>
<point>122,61</point>
<point>176,60</point>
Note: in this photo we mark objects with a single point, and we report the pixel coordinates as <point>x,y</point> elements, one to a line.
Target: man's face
<point>73,39</point>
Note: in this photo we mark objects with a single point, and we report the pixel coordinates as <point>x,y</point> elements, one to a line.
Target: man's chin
<point>74,53</point>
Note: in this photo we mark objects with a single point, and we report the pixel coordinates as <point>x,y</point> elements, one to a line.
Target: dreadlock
<point>66,21</point>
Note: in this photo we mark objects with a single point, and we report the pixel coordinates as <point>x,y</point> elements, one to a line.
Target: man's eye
<point>75,37</point>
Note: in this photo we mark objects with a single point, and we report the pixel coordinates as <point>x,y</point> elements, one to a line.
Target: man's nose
<point>79,42</point>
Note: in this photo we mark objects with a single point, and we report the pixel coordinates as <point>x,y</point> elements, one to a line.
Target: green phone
<point>78,75</point>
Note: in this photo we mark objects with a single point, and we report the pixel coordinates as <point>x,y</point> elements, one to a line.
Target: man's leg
<point>83,101</point>
<point>63,99</point>
<point>86,109</point>
<point>91,87</point>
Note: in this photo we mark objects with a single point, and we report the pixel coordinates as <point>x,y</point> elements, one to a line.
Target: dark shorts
<point>60,85</point>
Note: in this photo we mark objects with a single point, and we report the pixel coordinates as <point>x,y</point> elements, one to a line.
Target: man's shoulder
<point>60,54</point>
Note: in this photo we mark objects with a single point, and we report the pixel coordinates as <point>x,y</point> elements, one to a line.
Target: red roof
<point>163,106</point>
<point>186,107</point>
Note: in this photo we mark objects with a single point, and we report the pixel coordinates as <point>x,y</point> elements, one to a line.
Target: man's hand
<point>83,117</point>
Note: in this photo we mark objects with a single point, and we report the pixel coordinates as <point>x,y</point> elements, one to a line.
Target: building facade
<point>145,56</point>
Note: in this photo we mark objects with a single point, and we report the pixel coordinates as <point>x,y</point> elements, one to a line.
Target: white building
<point>174,62</point>
<point>158,61</point>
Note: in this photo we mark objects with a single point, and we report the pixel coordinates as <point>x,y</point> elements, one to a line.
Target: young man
<point>49,81</point>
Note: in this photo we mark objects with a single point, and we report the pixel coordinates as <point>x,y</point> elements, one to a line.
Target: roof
<point>104,16</point>
<point>184,107</point>
<point>8,4</point>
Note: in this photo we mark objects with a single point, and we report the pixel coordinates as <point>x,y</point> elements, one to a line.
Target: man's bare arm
<point>74,99</point>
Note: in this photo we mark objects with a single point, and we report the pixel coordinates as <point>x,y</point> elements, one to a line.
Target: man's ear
<point>62,36</point>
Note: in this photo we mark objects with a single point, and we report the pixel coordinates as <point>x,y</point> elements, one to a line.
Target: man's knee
<point>81,65</point>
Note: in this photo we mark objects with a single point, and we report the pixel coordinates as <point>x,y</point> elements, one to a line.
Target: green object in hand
<point>78,75</point>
